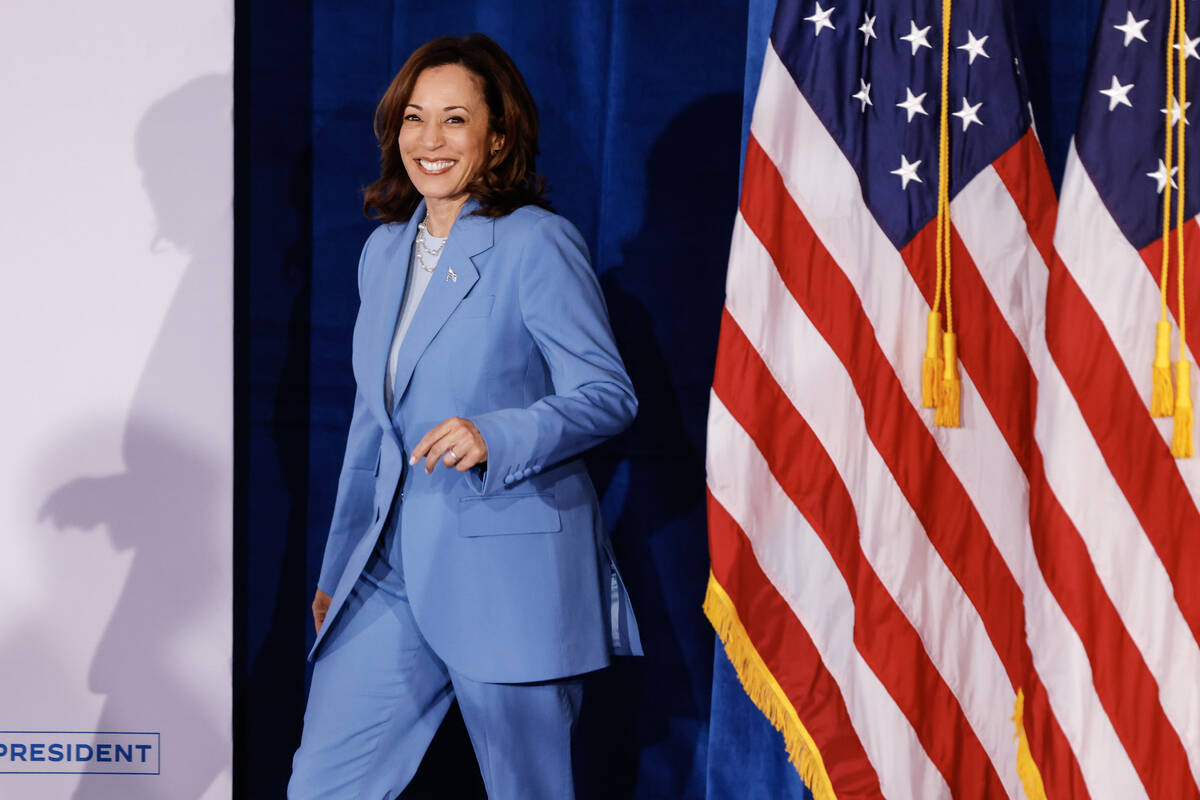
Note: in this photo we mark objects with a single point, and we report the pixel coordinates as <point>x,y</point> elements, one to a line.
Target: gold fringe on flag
<point>765,691</point>
<point>1027,768</point>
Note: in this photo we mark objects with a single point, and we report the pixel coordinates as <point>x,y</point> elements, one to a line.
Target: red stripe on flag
<point>789,653</point>
<point>1152,256</point>
<point>927,481</point>
<point>1022,170</point>
<point>1139,460</point>
<point>882,634</point>
<point>987,348</point>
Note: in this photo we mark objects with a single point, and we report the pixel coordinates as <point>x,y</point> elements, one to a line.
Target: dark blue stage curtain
<point>641,105</point>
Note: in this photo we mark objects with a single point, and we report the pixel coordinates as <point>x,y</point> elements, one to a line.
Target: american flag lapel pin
<point>450,276</point>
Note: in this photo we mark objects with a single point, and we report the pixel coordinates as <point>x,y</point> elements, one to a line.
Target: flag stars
<point>974,47</point>
<point>1174,113</point>
<point>1118,94</point>
<point>917,37</point>
<point>868,28</point>
<point>913,103</point>
<point>1190,46</point>
<point>1132,28</point>
<point>863,95</point>
<point>1160,176</point>
<point>820,19</point>
<point>969,113</point>
<point>907,172</point>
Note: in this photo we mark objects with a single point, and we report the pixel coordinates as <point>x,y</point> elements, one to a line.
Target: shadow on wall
<point>167,641</point>
<point>665,300</point>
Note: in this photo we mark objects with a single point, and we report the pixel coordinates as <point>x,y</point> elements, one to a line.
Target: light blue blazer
<point>509,569</point>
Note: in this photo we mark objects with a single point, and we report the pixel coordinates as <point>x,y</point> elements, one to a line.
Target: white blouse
<point>414,290</point>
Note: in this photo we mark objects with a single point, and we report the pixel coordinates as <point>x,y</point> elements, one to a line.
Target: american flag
<point>1115,518</point>
<point>877,580</point>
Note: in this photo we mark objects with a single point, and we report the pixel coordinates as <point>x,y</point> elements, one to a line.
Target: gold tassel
<point>1027,768</point>
<point>1181,442</point>
<point>931,367</point>
<point>1162,399</point>
<point>951,391</point>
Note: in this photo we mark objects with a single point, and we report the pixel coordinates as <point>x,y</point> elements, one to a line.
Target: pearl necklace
<point>423,248</point>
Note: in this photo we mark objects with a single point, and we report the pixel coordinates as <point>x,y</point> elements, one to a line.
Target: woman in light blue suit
<point>467,556</point>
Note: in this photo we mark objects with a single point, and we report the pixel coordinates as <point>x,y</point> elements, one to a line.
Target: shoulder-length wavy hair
<point>508,180</point>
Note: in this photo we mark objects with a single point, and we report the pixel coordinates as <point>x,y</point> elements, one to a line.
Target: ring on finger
<point>453,455</point>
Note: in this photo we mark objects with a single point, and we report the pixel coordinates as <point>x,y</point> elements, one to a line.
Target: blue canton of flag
<point>1123,116</point>
<point>871,71</point>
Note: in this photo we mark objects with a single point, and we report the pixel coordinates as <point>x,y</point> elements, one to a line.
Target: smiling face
<point>446,139</point>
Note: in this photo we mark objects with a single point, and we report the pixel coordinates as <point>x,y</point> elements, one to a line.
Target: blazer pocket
<point>476,306</point>
<point>510,514</point>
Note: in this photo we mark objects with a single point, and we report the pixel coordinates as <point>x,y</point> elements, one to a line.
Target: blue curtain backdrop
<point>642,109</point>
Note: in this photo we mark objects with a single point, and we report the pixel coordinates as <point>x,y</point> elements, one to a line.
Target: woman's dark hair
<point>509,179</point>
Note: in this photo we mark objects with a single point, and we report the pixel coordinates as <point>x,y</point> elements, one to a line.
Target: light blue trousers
<point>379,694</point>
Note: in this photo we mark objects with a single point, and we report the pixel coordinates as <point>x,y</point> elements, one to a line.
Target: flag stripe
<point>1121,676</point>
<point>882,633</point>
<point>1024,173</point>
<point>791,656</point>
<point>995,239</point>
<point>803,573</point>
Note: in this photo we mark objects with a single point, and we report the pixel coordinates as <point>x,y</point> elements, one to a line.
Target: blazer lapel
<point>453,278</point>
<point>396,260</point>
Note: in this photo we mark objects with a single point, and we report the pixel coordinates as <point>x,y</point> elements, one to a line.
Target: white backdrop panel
<point>116,184</point>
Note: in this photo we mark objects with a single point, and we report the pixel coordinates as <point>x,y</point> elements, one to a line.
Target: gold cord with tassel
<point>931,367</point>
<point>949,391</point>
<point>1162,396</point>
<point>1181,440</point>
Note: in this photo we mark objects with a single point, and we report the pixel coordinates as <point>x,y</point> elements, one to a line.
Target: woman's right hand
<point>320,606</point>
